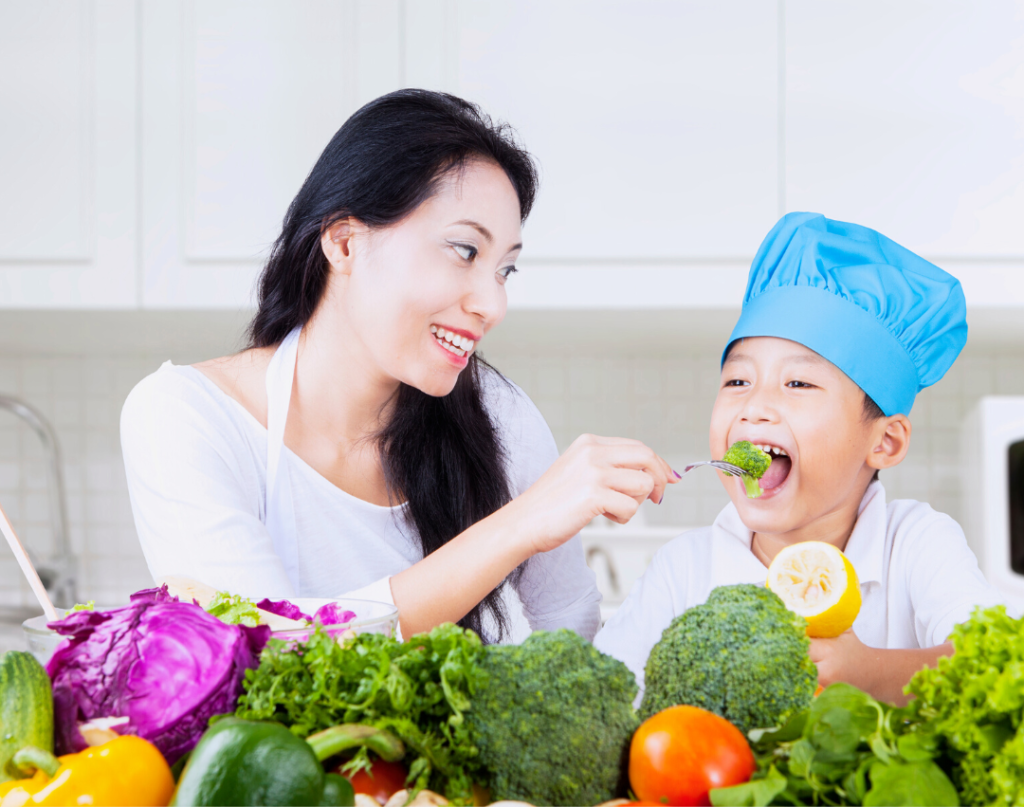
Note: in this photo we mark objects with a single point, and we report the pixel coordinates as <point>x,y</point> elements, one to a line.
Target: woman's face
<point>416,298</point>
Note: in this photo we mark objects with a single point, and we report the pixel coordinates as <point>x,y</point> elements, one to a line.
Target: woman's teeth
<point>775,451</point>
<point>452,342</point>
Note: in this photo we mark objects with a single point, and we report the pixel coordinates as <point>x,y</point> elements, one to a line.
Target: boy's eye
<point>465,251</point>
<point>798,385</point>
<point>736,382</point>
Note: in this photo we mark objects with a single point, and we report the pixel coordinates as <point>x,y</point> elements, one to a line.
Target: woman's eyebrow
<point>485,232</point>
<point>476,225</point>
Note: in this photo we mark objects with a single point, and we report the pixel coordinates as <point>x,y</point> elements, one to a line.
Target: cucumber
<point>26,709</point>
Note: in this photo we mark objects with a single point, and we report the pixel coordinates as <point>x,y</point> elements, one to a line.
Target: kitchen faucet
<point>57,572</point>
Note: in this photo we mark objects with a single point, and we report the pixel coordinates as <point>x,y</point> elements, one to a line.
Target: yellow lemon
<point>818,582</point>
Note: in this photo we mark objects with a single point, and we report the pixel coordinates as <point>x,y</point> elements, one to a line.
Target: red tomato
<point>680,754</point>
<point>382,781</point>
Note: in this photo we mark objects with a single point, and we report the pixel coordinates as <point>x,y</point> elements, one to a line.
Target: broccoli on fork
<point>753,461</point>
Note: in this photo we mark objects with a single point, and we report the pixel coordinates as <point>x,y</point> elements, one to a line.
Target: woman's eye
<point>465,251</point>
<point>507,272</point>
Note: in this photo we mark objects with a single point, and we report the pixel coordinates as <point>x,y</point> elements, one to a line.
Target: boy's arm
<point>880,673</point>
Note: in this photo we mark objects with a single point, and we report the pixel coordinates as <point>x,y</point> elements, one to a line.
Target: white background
<point>148,151</point>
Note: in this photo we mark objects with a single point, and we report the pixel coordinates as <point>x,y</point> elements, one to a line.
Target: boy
<point>840,329</point>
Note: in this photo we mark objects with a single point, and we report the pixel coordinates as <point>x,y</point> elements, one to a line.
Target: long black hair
<point>443,455</point>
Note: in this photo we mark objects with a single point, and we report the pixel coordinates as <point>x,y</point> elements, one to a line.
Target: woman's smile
<point>457,343</point>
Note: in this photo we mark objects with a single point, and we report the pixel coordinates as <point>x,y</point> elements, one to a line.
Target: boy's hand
<point>844,658</point>
<point>880,673</point>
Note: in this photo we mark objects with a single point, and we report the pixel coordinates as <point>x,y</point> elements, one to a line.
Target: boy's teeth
<point>778,452</point>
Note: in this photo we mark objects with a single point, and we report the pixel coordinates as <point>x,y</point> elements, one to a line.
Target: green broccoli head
<point>742,655</point>
<point>553,721</point>
<point>754,463</point>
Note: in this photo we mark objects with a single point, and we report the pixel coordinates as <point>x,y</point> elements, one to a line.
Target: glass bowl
<point>371,617</point>
<point>41,640</point>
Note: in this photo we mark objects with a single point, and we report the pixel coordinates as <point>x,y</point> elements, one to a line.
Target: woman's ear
<point>891,442</point>
<point>336,243</point>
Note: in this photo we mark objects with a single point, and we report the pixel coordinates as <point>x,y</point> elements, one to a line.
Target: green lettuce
<point>972,706</point>
<point>233,609</point>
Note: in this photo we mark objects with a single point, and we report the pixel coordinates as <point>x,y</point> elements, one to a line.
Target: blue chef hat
<point>890,320</point>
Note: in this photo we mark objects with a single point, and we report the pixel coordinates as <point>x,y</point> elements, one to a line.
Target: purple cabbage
<point>167,666</point>
<point>331,614</point>
<point>283,608</point>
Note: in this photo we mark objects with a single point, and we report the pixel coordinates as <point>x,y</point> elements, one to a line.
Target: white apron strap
<point>280,514</point>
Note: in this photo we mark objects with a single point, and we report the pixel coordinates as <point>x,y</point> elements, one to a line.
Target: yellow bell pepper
<point>124,772</point>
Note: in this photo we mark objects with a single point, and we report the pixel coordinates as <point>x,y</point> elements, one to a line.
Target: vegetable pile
<point>334,719</point>
<point>741,655</point>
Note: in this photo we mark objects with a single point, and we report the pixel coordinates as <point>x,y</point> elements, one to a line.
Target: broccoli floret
<point>553,721</point>
<point>754,463</point>
<point>742,655</point>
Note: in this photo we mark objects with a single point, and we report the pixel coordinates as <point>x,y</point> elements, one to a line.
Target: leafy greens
<point>847,748</point>
<point>418,689</point>
<point>972,706</point>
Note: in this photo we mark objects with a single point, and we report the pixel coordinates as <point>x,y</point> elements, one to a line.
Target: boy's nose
<point>759,408</point>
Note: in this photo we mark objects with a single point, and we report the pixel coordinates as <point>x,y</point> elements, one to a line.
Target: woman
<point>360,446</point>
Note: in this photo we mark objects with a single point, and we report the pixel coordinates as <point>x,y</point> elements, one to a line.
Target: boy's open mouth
<point>779,470</point>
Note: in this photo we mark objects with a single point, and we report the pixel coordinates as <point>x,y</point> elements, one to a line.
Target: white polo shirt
<point>918,578</point>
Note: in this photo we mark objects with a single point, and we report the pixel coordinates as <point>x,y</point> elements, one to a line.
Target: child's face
<point>778,393</point>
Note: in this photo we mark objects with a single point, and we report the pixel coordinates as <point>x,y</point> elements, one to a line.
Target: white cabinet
<point>655,123</point>
<point>68,236</point>
<point>149,150</point>
<point>239,99</point>
<point>909,117</point>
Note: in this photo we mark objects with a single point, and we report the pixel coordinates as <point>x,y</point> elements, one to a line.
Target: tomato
<point>382,781</point>
<point>680,754</point>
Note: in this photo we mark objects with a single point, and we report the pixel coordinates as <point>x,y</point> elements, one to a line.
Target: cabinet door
<point>67,154</point>
<point>655,124</point>
<point>909,117</point>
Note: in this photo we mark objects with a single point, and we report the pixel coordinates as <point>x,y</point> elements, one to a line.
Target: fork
<point>728,467</point>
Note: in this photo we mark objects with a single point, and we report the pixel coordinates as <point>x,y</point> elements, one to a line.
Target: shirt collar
<point>732,559</point>
<point>866,546</point>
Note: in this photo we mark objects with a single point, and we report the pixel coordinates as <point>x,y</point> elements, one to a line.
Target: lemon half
<point>818,582</point>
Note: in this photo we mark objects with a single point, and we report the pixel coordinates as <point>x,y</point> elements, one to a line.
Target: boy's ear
<point>891,442</point>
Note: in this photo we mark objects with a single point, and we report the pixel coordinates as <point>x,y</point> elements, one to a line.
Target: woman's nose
<point>486,300</point>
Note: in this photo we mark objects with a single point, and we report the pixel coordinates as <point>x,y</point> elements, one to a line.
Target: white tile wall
<point>664,400</point>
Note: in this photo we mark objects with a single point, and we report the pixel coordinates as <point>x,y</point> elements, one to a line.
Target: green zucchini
<point>26,709</point>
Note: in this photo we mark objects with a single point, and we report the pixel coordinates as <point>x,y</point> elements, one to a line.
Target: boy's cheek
<point>718,433</point>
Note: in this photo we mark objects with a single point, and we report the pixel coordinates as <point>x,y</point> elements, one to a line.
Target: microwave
<point>993,454</point>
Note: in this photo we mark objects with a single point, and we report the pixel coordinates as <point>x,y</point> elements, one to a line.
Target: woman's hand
<point>596,476</point>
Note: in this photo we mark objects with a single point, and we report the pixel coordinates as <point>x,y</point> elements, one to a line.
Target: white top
<point>918,578</point>
<point>196,462</point>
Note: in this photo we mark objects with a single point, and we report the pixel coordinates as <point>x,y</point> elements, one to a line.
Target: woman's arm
<point>596,476</point>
